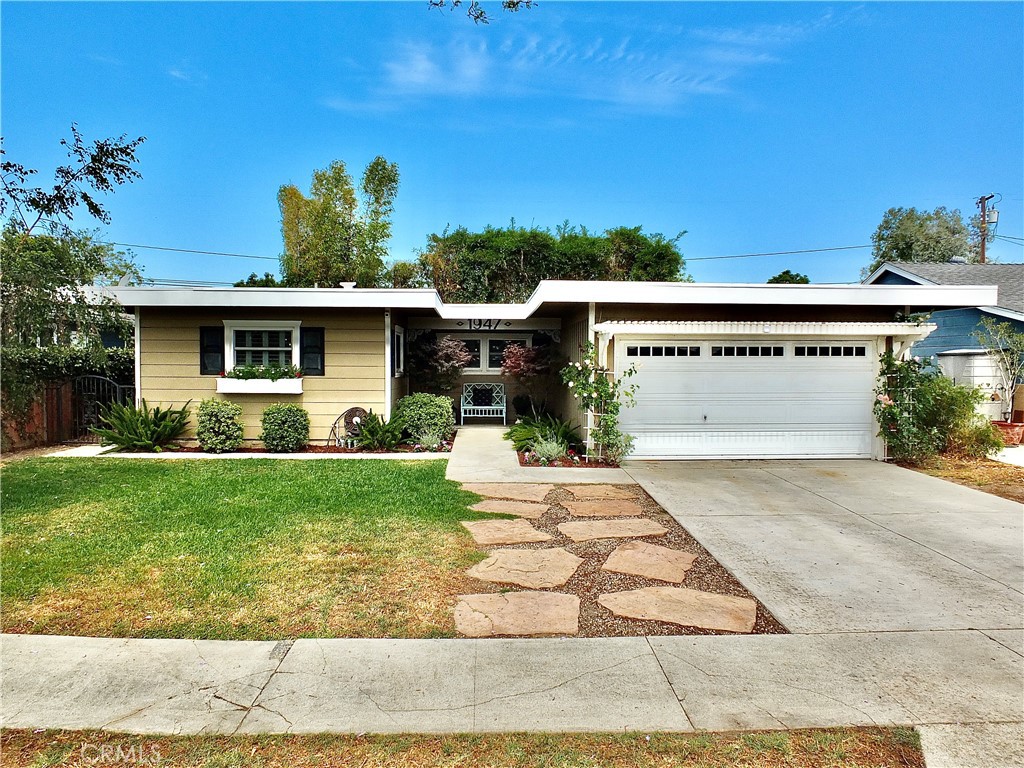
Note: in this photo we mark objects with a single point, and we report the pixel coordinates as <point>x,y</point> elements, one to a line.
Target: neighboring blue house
<point>959,354</point>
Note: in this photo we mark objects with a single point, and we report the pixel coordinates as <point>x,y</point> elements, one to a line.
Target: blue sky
<point>756,127</point>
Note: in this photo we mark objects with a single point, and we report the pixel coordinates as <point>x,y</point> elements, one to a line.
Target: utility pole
<point>983,224</point>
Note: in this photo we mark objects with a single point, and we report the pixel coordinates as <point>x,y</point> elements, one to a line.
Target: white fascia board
<point>612,292</point>
<point>896,270</point>
<point>285,298</point>
<point>563,292</point>
<point>1010,314</point>
<point>754,329</point>
<point>608,292</point>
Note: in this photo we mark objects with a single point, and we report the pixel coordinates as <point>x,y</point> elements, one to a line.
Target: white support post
<point>138,356</point>
<point>588,427</point>
<point>387,365</point>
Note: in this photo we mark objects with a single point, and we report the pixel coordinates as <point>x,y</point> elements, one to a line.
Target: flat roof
<point>562,292</point>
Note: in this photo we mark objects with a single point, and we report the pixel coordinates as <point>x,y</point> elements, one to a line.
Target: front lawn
<point>831,748</point>
<point>240,550</point>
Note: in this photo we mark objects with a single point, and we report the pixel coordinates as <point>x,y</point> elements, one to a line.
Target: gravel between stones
<point>590,582</point>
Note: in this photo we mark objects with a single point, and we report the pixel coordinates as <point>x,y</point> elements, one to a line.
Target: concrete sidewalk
<point>428,686</point>
<point>482,455</point>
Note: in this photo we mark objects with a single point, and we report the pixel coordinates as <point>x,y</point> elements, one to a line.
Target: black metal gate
<point>89,393</point>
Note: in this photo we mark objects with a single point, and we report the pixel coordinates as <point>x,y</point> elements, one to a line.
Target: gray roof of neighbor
<point>1009,278</point>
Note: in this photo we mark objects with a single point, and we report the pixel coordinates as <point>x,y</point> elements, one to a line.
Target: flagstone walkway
<point>536,561</point>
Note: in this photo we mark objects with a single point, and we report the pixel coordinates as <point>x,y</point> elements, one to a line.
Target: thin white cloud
<point>639,71</point>
<point>103,59</point>
<point>422,69</point>
<point>185,72</point>
<point>360,106</point>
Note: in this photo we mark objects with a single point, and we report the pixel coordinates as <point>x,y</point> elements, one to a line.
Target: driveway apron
<point>852,546</point>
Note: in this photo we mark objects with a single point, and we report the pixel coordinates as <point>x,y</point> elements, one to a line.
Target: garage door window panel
<point>733,350</point>
<point>802,350</point>
<point>661,351</point>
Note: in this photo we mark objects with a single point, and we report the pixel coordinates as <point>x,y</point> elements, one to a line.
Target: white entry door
<point>747,398</point>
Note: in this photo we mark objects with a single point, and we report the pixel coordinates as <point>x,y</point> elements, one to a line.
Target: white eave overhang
<point>562,292</point>
<point>753,329</point>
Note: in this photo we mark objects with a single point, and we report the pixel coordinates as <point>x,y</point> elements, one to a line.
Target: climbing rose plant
<point>921,413</point>
<point>603,395</point>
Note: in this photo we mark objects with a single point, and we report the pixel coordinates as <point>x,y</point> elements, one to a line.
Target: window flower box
<point>284,386</point>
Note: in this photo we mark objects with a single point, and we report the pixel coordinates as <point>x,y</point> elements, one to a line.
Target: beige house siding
<point>354,364</point>
<point>574,335</point>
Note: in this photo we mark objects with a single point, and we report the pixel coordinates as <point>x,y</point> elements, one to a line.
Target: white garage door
<point>750,398</point>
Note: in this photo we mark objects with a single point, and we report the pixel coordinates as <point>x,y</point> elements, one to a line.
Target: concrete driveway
<point>852,546</point>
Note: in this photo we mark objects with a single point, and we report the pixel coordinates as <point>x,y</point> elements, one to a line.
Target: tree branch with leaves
<point>1005,345</point>
<point>48,267</point>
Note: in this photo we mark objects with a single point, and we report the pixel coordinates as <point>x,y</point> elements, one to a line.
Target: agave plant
<point>141,428</point>
<point>375,434</point>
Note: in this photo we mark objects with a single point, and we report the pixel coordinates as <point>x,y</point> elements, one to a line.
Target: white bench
<point>482,400</point>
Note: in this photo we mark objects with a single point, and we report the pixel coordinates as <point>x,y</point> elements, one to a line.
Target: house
<point>953,344</point>
<point>751,371</point>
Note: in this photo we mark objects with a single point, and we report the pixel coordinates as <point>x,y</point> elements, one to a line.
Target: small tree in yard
<point>437,363</point>
<point>47,266</point>
<point>1005,345</point>
<point>532,369</point>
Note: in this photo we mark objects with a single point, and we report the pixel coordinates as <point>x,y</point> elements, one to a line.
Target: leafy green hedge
<point>425,414</point>
<point>285,427</point>
<point>219,426</point>
<point>58,363</point>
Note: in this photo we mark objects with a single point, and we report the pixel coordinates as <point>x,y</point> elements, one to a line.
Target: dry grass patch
<point>993,477</point>
<point>325,582</point>
<point>833,748</point>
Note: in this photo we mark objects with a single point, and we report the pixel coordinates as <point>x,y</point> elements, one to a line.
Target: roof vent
<point>347,286</point>
<point>958,260</point>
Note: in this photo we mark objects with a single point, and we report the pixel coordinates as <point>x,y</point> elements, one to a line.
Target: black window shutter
<point>211,349</point>
<point>311,351</point>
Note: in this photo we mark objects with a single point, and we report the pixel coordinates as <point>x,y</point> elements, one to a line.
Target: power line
<point>184,282</point>
<point>688,259</point>
<point>189,250</point>
<point>1012,240</point>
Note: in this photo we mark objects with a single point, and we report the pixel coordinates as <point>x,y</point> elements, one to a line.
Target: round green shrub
<point>285,427</point>
<point>423,414</point>
<point>219,428</point>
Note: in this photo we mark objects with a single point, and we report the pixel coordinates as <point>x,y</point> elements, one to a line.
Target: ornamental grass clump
<point>285,428</point>
<point>548,450</point>
<point>219,426</point>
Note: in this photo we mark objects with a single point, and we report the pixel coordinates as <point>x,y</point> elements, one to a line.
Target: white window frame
<point>485,339</point>
<point>398,351</point>
<point>230,326</point>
